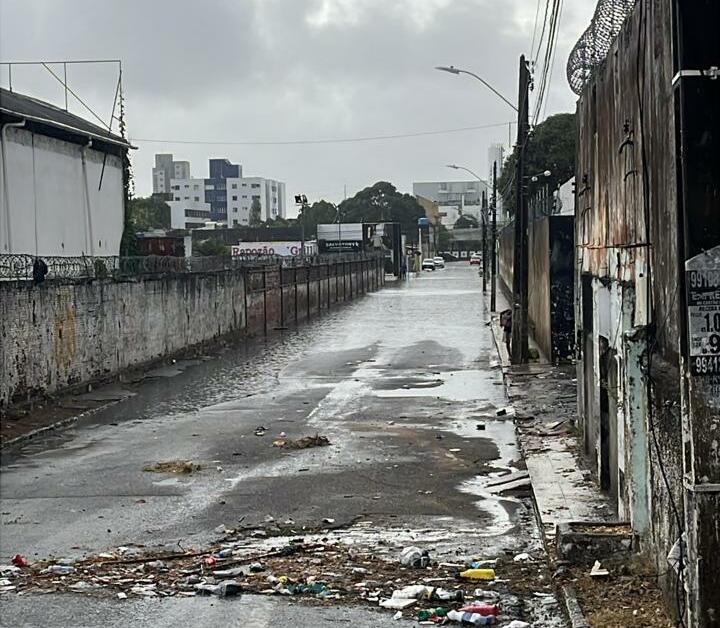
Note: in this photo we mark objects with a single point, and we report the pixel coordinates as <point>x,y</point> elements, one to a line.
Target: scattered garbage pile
<point>325,570</point>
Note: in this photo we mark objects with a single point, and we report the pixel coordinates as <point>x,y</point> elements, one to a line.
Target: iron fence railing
<point>23,267</point>
<point>594,44</point>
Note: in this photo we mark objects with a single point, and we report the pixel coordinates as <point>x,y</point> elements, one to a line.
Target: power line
<point>345,140</point>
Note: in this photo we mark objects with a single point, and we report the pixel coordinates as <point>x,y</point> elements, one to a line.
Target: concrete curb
<point>574,611</point>
<point>54,427</point>
<point>577,619</point>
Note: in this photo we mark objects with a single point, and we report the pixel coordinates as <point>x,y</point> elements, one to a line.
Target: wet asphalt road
<point>398,381</point>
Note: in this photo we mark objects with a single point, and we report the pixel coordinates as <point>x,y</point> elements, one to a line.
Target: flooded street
<point>403,383</point>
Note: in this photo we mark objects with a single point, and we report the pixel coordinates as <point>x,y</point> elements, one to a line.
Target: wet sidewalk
<point>544,397</point>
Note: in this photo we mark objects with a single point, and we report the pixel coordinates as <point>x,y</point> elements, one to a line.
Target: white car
<point>428,264</point>
<point>439,262</point>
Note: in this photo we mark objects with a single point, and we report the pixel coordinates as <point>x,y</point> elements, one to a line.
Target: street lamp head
<point>547,173</point>
<point>453,166</point>
<point>447,68</point>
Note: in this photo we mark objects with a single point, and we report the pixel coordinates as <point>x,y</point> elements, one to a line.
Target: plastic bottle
<point>474,619</point>
<point>61,570</point>
<point>481,609</point>
<point>478,574</point>
<point>448,596</point>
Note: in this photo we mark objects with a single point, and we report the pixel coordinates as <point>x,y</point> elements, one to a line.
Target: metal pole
<point>483,215</point>
<point>65,86</point>
<point>520,264</point>
<point>493,240</point>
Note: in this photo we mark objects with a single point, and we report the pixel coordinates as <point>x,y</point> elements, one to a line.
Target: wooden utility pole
<point>493,240</point>
<point>483,216</point>
<point>520,263</point>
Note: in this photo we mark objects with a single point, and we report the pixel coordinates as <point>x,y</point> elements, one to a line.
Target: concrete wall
<point>51,200</point>
<point>58,335</point>
<point>618,213</point>
<point>550,288</point>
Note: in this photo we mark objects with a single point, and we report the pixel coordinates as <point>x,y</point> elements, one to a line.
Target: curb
<point>577,619</point>
<point>574,611</point>
<point>54,427</point>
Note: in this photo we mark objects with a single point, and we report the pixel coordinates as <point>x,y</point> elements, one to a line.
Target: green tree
<point>383,203</point>
<point>320,212</point>
<point>255,213</point>
<point>551,146</point>
<point>149,213</point>
<point>466,222</point>
<point>207,248</point>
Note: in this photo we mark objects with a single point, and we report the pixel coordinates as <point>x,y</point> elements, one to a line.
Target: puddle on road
<point>466,385</point>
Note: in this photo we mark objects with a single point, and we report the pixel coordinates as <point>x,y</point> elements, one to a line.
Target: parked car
<point>439,262</point>
<point>476,259</point>
<point>428,264</point>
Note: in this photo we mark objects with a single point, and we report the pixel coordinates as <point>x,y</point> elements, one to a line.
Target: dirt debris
<point>184,467</point>
<point>306,442</point>
<point>629,596</point>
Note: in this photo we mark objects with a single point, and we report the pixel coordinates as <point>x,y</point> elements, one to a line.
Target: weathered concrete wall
<point>539,285</point>
<point>627,222</point>
<point>58,335</point>
<point>550,288</point>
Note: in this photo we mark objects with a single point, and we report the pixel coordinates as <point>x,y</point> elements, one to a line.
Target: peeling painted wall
<point>54,336</point>
<point>626,128</point>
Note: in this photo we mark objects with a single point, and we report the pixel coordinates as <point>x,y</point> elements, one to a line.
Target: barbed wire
<point>594,44</point>
<point>19,267</point>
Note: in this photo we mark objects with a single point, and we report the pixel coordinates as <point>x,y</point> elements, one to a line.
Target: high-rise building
<point>224,197</point>
<point>167,169</point>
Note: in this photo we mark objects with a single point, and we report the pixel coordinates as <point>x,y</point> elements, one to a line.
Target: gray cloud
<point>277,70</point>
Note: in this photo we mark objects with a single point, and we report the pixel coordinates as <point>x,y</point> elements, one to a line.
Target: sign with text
<point>702,279</point>
<point>248,249</point>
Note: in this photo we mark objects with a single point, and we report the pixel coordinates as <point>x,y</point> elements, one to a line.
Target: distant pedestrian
<point>506,324</point>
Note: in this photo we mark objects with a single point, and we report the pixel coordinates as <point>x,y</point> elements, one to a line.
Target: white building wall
<point>270,193</point>
<point>188,190</point>
<point>181,170</point>
<point>51,205</point>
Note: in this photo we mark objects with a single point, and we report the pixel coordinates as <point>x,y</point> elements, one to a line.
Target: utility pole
<point>493,239</point>
<point>520,261</point>
<point>483,215</point>
<point>697,129</point>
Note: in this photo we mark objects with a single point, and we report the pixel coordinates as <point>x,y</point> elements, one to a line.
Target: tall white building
<point>225,197</point>
<point>242,192</point>
<point>167,169</point>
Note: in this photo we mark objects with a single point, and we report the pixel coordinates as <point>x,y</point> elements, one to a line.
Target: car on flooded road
<point>439,262</point>
<point>428,264</point>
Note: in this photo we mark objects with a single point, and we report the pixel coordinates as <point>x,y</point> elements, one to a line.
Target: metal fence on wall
<point>594,44</point>
<point>21,267</point>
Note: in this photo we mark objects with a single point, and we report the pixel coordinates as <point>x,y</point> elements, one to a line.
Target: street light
<point>456,167</point>
<point>453,70</point>
<point>536,177</point>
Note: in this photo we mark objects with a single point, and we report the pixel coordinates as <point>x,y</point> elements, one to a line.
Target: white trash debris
<point>414,557</point>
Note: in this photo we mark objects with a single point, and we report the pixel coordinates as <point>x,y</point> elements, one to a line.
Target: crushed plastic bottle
<point>444,595</point>
<point>60,570</point>
<point>226,588</point>
<point>474,619</point>
<point>413,592</point>
<point>478,574</point>
<point>414,557</point>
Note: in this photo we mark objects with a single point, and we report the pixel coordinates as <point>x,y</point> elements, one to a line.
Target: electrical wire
<point>535,25</point>
<point>346,140</point>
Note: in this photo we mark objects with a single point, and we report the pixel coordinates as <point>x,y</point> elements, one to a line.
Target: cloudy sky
<point>278,72</point>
